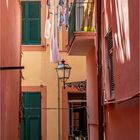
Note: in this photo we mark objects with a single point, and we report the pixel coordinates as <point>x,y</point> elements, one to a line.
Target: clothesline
<point>54,26</point>
<point>43,108</point>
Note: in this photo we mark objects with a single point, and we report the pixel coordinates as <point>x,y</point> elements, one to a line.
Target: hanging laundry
<point>48,3</point>
<point>61,2</point>
<point>48,24</point>
<point>60,19</point>
<point>47,29</point>
<point>85,18</point>
<point>66,18</point>
<point>87,23</point>
<point>90,20</point>
<point>54,51</point>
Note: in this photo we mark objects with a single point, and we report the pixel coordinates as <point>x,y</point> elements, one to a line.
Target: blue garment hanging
<point>61,2</point>
<point>66,18</point>
<point>60,18</point>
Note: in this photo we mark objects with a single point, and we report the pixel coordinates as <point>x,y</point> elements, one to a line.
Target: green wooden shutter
<point>31,122</point>
<point>34,22</point>
<point>24,32</point>
<point>31,26</point>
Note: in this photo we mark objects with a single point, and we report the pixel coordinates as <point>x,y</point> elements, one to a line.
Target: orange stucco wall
<point>10,80</point>
<point>39,71</point>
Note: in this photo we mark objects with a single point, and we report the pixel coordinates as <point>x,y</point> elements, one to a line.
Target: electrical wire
<point>55,108</point>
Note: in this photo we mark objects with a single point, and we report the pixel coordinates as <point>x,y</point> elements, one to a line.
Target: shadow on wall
<point>122,33</point>
<point>121,30</point>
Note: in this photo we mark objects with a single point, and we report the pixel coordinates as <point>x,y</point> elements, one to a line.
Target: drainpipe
<point>99,61</point>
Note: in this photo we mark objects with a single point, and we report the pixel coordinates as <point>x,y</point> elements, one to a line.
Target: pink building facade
<point>10,79</point>
<point>120,69</point>
<point>112,56</point>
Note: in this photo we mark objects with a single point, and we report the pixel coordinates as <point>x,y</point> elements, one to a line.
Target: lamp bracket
<point>80,85</point>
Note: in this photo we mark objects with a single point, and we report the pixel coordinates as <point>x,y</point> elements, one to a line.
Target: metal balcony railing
<point>81,17</point>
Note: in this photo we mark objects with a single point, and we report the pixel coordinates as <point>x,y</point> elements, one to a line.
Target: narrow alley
<point>69,70</point>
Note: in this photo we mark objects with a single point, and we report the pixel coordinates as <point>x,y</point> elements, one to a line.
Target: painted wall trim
<point>33,48</point>
<point>41,89</point>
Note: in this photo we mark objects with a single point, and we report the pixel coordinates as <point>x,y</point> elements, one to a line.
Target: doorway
<point>77,115</point>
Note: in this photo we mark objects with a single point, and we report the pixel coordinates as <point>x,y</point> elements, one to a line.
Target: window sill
<point>109,100</point>
<point>33,47</point>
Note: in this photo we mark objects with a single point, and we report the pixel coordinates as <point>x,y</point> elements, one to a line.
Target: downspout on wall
<point>99,62</point>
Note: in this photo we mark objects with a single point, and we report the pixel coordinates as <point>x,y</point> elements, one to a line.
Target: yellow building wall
<point>39,71</point>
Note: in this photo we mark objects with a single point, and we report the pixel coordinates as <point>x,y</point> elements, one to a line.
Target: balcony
<point>81,32</point>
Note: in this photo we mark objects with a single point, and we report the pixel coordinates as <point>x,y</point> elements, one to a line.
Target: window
<point>110,63</point>
<point>31,14</point>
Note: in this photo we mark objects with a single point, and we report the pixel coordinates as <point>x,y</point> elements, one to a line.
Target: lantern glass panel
<point>60,73</point>
<point>67,73</point>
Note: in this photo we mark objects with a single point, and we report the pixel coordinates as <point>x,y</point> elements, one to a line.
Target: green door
<point>31,122</point>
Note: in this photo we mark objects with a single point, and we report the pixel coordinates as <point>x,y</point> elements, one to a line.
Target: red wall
<point>127,73</point>
<point>122,121</point>
<point>126,68</point>
<point>10,80</point>
<point>122,17</point>
<point>92,95</point>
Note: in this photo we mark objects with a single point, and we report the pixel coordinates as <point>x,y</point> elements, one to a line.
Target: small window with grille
<point>109,43</point>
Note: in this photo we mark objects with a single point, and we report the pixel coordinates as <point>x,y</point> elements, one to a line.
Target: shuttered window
<point>110,62</point>
<point>31,119</point>
<point>31,22</point>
